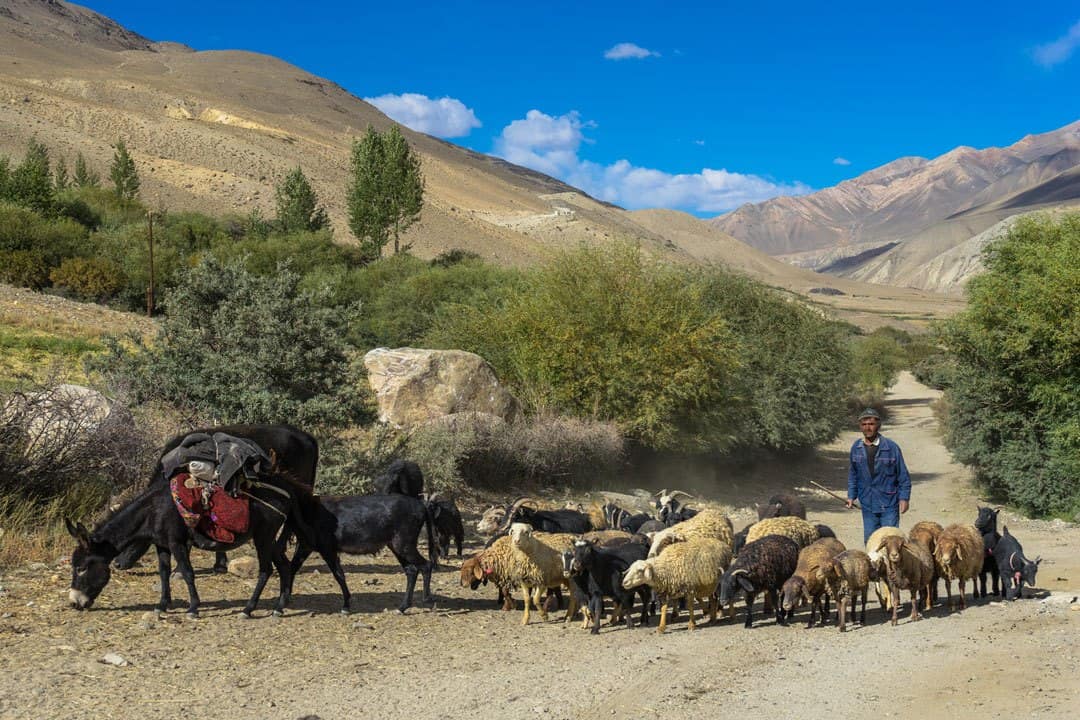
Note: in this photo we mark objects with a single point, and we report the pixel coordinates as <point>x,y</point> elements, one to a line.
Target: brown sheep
<point>959,556</point>
<point>846,577</point>
<point>804,585</point>
<point>926,533</point>
<point>877,564</point>
<point>907,567</point>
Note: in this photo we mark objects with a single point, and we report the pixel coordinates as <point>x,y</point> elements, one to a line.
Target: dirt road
<point>468,660</point>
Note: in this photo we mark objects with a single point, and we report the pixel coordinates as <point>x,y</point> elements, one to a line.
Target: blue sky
<point>698,107</point>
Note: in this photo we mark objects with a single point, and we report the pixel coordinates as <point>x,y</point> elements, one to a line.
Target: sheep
<point>707,523</point>
<point>491,564</point>
<point>907,567</point>
<point>762,565</point>
<point>687,569</point>
<point>926,534</point>
<point>959,556</point>
<point>650,527</point>
<point>802,532</point>
<point>877,564</point>
<point>781,506</point>
<point>847,576</point>
<point>538,561</point>
<point>804,585</point>
<point>607,538</point>
<point>824,531</point>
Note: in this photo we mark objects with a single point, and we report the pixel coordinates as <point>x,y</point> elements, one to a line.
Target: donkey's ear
<point>78,531</point>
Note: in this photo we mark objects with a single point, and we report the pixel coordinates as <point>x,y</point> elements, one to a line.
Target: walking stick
<point>822,487</point>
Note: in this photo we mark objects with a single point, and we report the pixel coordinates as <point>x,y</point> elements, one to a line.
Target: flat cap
<point>869,413</point>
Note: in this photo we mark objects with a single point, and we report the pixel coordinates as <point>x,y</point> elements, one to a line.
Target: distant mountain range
<point>214,131</point>
<point>895,224</point>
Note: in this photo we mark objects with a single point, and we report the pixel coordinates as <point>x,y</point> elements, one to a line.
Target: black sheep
<point>781,506</point>
<point>763,565</point>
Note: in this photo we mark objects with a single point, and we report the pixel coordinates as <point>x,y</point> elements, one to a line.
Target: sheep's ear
<point>744,583</point>
<point>959,554</point>
<point>478,572</point>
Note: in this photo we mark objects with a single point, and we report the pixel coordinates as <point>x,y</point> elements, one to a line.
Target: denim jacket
<point>890,482</point>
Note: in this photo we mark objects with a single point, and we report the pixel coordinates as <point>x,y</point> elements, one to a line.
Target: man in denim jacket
<point>877,477</point>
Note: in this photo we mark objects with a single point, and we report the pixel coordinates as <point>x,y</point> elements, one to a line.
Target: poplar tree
<point>31,183</point>
<point>60,176</point>
<point>84,176</point>
<point>123,174</point>
<point>386,190</point>
<point>298,206</point>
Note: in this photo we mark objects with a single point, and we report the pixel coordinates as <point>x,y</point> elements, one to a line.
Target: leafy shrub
<point>92,279</point>
<point>51,239</point>
<point>611,335</point>
<point>1014,410</point>
<point>25,268</point>
<point>238,347</point>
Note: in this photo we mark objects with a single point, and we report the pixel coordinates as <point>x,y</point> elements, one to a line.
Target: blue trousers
<point>871,521</point>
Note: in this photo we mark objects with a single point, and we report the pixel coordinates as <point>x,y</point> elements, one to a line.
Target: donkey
<point>151,517</point>
<point>295,453</point>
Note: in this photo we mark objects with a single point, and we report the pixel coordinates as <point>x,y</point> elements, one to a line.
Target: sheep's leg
<point>749,610</point>
<point>963,602</point>
<point>571,605</point>
<point>773,596</point>
<point>527,591</point>
<point>894,596</point>
<point>813,613</point>
<point>663,617</point>
<point>596,607</point>
<point>713,602</point>
<point>825,612</point>
<point>690,609</point>
<point>948,594</point>
<point>928,604</point>
<point>862,617</point>
<point>841,611</point>
<point>915,604</point>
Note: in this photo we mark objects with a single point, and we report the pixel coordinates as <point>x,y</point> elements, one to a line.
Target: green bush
<point>91,279</point>
<point>52,239</point>
<point>239,347</point>
<point>1014,408</point>
<point>24,268</point>
<point>611,335</point>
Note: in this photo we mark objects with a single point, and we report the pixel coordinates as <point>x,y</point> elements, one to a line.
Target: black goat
<point>448,524</point>
<point>554,521</point>
<point>401,477</point>
<point>1013,566</point>
<point>781,506</point>
<point>363,525</point>
<point>602,570</point>
<point>761,566</point>
<point>739,539</point>
<point>986,524</point>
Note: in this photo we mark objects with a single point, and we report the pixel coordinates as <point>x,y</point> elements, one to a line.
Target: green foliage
<point>612,335</point>
<point>91,279</point>
<point>24,268</point>
<point>239,347</point>
<point>85,177</point>
<point>1014,405</point>
<point>122,172</point>
<point>5,178</point>
<point>878,360</point>
<point>796,365</point>
<point>298,206</point>
<point>386,190</point>
<point>61,181</point>
<point>51,239</point>
<point>31,183</point>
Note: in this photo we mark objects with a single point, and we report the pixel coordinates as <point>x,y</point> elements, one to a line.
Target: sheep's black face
<point>90,574</point>
<point>728,589</point>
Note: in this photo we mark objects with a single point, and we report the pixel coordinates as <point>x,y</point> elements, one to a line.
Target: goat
<point>603,570</point>
<point>1013,566</point>
<point>781,506</point>
<point>986,524</point>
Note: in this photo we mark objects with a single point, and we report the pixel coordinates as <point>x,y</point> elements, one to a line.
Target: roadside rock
<point>244,567</point>
<point>414,386</point>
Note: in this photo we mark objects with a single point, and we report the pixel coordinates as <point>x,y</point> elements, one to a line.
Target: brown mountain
<point>908,197</point>
<point>214,131</point>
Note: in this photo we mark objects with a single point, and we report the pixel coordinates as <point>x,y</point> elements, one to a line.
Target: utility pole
<point>150,287</point>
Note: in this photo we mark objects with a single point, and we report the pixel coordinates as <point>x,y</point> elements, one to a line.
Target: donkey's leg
<point>281,564</point>
<point>410,578</point>
<point>333,561</point>
<point>164,558</point>
<point>265,566</point>
<point>183,565</point>
<point>221,562</point>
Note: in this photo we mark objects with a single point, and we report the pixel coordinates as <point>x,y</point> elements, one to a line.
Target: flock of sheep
<point>689,557</point>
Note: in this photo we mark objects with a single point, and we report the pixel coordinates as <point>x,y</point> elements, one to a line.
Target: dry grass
<point>33,532</point>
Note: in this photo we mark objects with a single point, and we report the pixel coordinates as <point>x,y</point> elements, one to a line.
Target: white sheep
<point>708,523</point>
<point>537,564</point>
<point>688,568</point>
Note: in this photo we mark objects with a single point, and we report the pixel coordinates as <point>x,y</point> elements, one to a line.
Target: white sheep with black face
<point>689,568</point>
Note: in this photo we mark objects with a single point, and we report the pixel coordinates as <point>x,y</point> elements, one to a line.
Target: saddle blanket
<point>209,508</point>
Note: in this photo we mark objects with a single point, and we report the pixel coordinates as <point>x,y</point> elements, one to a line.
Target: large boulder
<point>415,386</point>
<point>63,414</point>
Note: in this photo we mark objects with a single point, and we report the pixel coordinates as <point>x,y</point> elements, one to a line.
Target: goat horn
<point>740,571</point>
<point>661,493</point>
<point>680,492</point>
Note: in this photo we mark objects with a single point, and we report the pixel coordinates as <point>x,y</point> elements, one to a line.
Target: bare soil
<point>466,659</point>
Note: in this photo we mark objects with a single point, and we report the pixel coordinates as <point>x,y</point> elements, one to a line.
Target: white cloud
<point>445,117</point>
<point>1054,53</point>
<point>550,145</point>
<point>628,51</point>
<point>699,142</point>
<point>841,161</point>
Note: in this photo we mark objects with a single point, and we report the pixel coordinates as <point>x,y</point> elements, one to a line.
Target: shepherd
<point>877,476</point>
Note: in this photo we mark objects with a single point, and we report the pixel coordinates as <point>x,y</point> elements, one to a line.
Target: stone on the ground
<point>414,386</point>
<point>114,659</point>
<point>244,567</point>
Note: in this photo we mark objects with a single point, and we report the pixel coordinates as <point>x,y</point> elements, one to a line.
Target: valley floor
<point>467,659</point>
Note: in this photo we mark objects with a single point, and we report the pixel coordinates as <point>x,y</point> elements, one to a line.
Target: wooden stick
<point>822,487</point>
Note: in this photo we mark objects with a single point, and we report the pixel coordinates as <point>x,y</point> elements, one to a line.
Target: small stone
<point>114,659</point>
<point>38,566</point>
<point>244,567</point>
